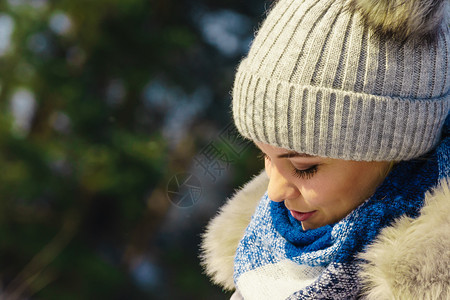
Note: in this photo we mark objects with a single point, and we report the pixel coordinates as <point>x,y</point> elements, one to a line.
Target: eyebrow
<point>294,154</point>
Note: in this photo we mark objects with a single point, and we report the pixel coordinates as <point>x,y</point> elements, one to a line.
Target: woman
<point>348,101</point>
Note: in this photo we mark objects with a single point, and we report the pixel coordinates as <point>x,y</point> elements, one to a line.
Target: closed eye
<point>305,173</point>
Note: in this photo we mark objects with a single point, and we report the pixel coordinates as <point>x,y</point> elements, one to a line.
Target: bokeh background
<point>116,143</point>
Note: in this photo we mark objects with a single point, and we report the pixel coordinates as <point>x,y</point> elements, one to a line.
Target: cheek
<point>325,190</point>
<point>314,190</point>
<point>347,188</point>
<point>365,185</point>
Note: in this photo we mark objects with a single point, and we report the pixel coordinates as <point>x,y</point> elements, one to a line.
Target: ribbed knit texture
<point>318,81</point>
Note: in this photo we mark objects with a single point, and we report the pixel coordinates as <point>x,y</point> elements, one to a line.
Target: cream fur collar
<point>409,260</point>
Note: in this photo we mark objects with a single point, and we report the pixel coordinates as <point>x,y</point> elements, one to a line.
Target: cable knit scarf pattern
<point>277,259</point>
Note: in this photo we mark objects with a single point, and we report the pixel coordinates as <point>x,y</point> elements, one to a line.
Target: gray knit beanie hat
<point>354,80</point>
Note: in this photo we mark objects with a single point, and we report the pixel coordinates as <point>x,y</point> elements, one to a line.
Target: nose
<point>280,188</point>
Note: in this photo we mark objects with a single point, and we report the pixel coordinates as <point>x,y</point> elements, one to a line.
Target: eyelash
<point>304,174</point>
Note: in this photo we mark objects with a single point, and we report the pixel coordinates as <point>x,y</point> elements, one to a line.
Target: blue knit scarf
<point>275,249</point>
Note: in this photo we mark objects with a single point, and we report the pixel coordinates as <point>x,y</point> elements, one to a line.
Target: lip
<point>302,216</point>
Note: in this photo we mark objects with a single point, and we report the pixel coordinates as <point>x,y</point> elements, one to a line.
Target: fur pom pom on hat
<point>347,79</point>
<point>403,18</point>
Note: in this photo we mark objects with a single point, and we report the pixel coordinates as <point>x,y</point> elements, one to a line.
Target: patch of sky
<point>60,23</point>
<point>226,30</point>
<point>146,274</point>
<point>6,30</point>
<point>36,4</point>
<point>16,3</point>
<point>22,107</point>
<point>180,108</point>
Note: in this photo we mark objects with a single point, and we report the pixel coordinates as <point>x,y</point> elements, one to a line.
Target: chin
<point>308,226</point>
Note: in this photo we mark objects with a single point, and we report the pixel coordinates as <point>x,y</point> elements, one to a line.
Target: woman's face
<point>317,190</point>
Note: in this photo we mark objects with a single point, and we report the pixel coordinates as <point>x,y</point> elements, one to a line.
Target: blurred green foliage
<point>87,95</point>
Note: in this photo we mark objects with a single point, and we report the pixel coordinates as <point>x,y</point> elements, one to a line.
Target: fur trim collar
<point>224,232</point>
<point>409,260</point>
